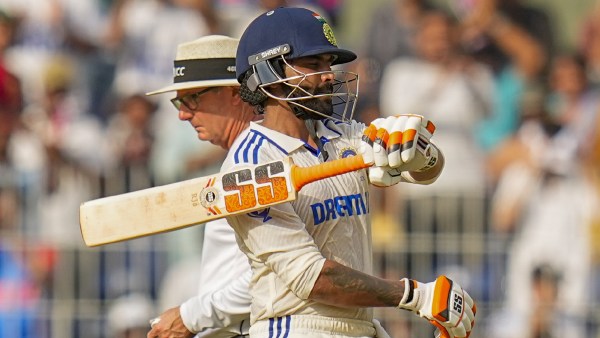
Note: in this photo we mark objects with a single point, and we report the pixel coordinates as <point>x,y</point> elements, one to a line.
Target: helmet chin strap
<point>310,125</point>
<point>299,112</point>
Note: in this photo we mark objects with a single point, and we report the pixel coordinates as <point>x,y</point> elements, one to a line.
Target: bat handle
<point>301,176</point>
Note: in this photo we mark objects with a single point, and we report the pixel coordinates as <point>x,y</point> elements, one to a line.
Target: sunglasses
<point>190,101</point>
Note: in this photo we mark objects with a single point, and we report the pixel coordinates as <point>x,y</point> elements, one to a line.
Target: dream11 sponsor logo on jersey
<point>261,214</point>
<point>340,206</point>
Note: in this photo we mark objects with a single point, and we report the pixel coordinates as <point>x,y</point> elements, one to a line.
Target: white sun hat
<point>206,62</point>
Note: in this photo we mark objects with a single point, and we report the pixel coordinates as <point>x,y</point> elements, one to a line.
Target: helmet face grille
<point>342,96</point>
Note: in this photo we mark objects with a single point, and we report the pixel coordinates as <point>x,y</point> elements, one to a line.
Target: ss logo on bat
<point>258,189</point>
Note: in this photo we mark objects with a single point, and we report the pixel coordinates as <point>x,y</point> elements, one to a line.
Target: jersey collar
<point>326,129</point>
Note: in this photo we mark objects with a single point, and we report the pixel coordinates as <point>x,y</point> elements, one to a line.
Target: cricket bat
<point>178,205</point>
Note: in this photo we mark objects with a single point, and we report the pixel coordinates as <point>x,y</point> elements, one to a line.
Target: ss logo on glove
<point>458,303</point>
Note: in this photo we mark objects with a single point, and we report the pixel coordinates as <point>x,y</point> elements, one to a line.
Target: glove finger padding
<point>395,141</point>
<point>402,142</point>
<point>366,144</point>
<point>374,140</point>
<point>444,303</point>
<point>380,144</point>
<point>380,148</point>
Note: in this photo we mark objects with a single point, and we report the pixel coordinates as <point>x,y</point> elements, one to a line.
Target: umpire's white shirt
<point>287,244</point>
<point>222,305</point>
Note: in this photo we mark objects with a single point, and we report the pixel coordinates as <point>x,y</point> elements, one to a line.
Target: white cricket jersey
<point>287,244</point>
<point>222,306</point>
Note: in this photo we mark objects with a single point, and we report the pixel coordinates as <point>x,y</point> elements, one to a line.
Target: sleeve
<point>218,309</point>
<point>223,298</point>
<point>277,238</point>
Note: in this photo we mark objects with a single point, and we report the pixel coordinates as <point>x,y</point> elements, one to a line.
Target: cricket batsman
<point>311,259</point>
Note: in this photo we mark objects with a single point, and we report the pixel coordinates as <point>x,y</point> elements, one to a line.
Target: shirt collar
<point>325,129</point>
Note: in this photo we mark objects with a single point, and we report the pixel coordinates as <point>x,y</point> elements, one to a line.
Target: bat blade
<point>179,205</point>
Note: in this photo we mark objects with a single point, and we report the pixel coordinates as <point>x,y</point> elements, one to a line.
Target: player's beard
<point>323,105</point>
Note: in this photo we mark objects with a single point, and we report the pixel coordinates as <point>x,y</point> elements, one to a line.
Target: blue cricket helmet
<point>293,32</point>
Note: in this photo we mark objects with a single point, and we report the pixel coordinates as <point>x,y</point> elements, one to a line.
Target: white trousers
<point>314,327</point>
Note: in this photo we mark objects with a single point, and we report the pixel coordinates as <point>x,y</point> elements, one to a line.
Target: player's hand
<point>444,303</point>
<point>169,325</point>
<point>396,144</point>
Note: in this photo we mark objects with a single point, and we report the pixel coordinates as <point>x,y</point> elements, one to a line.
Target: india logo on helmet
<point>326,29</point>
<point>329,34</point>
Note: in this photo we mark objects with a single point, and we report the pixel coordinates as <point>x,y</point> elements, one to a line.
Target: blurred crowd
<point>517,118</point>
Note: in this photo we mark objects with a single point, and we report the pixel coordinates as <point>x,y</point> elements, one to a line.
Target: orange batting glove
<point>444,303</point>
<point>398,144</point>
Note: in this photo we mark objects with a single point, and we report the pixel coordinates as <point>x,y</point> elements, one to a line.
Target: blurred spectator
<point>19,295</point>
<point>572,100</point>
<point>451,89</point>
<point>571,104</point>
<point>130,140</point>
<point>21,153</point>
<point>74,149</point>
<point>21,169</point>
<point>590,44</point>
<point>23,273</point>
<point>592,165</point>
<point>590,49</point>
<point>208,10</point>
<point>11,96</point>
<point>398,19</point>
<point>130,131</point>
<point>129,314</point>
<point>86,26</point>
<point>483,22</point>
<point>75,29</point>
<point>38,36</point>
<point>67,131</point>
<point>544,197</point>
<point>238,14</point>
<point>145,33</point>
<point>547,319</point>
<point>516,41</point>
<point>331,8</point>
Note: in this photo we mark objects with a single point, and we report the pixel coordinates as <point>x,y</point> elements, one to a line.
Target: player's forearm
<point>342,286</point>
